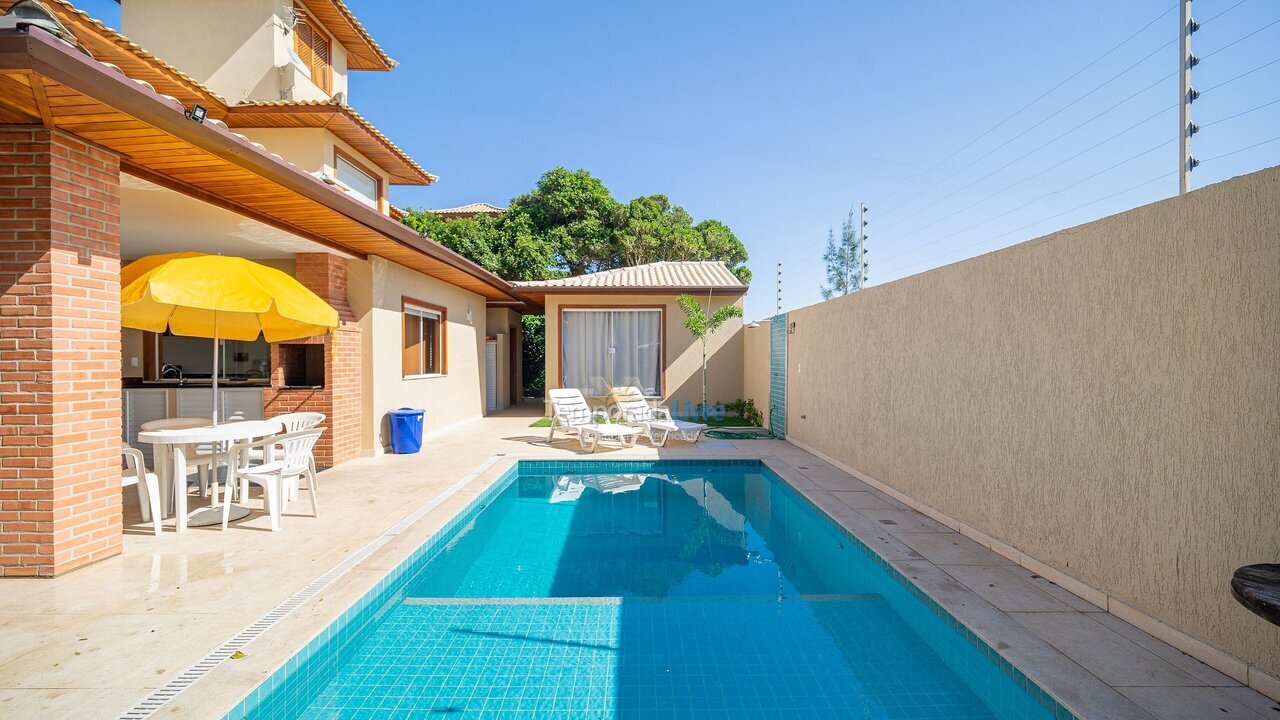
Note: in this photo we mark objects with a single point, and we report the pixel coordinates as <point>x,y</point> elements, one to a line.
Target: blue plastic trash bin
<point>406,430</point>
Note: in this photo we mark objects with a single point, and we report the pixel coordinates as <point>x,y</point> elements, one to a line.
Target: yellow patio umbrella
<point>224,298</point>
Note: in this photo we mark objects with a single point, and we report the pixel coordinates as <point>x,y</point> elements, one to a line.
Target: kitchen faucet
<point>169,369</point>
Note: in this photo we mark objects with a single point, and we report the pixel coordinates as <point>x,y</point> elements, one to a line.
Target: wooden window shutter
<point>313,47</point>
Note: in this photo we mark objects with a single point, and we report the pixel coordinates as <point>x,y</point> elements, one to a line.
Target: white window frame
<point>612,309</point>
<point>338,167</point>
<point>413,309</point>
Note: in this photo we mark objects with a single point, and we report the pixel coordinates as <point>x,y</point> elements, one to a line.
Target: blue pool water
<point>645,590</point>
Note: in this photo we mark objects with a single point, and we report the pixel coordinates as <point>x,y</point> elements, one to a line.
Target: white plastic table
<point>176,441</point>
<point>163,458</point>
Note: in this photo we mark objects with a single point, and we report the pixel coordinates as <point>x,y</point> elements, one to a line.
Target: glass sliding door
<point>601,348</point>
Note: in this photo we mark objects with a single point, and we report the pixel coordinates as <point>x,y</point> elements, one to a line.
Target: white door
<point>490,376</point>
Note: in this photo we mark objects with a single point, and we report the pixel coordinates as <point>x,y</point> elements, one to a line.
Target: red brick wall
<point>59,353</point>
<point>326,275</point>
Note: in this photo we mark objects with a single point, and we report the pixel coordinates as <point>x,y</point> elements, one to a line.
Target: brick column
<point>325,274</point>
<point>60,422</point>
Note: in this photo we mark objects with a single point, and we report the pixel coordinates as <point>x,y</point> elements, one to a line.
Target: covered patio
<point>102,167</point>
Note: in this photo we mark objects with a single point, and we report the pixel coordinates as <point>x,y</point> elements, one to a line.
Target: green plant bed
<point>541,422</point>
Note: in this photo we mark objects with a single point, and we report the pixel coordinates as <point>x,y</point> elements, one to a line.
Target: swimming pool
<point>669,589</point>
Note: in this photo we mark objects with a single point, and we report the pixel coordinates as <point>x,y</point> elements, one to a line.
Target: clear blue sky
<point>776,117</point>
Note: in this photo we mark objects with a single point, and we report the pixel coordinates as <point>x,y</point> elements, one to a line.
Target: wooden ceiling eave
<point>339,121</point>
<point>154,138</point>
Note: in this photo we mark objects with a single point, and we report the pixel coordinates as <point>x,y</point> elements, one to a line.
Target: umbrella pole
<point>215,369</point>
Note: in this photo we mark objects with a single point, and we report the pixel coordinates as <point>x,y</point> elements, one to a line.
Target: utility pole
<point>1188,60</point>
<point>777,290</point>
<point>862,245</point>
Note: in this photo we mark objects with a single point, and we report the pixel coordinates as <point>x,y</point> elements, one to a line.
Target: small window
<point>313,48</point>
<point>424,339</point>
<point>366,187</point>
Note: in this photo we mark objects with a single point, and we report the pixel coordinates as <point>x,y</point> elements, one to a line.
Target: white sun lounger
<point>657,423</point>
<point>571,414</point>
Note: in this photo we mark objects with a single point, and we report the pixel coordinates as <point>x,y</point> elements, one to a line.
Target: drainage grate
<point>148,706</point>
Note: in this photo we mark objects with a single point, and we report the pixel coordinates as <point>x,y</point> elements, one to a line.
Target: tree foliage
<point>702,325</point>
<point>843,259</point>
<point>570,224</point>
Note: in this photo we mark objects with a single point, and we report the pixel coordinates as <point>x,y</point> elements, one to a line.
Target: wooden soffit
<point>45,81</point>
<point>339,119</point>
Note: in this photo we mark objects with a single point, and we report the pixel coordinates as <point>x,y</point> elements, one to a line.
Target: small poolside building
<point>623,327</point>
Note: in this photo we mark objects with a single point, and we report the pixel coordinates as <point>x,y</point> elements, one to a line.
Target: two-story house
<point>102,164</point>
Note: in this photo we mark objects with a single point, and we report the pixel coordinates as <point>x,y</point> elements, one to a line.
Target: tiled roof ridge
<point>137,50</point>
<point>661,273</point>
<point>364,33</point>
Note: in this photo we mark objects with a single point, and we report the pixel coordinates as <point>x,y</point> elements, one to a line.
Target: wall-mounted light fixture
<point>197,113</point>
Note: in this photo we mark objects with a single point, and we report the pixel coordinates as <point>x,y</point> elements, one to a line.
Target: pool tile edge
<point>1061,678</point>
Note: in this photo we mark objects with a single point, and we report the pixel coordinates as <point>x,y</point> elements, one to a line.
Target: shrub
<point>746,409</point>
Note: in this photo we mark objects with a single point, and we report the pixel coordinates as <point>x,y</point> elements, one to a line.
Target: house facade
<point>102,163</point>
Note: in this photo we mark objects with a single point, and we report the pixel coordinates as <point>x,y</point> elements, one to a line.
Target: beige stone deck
<point>95,642</point>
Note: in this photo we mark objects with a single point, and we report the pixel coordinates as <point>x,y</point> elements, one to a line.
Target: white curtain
<point>584,343</point>
<point>637,358</point>
<point>601,349</point>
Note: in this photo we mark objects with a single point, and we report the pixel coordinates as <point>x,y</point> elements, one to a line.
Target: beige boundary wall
<point>1101,404</point>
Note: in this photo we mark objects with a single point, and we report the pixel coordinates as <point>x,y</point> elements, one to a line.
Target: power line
<point>1042,121</point>
<point>1055,166</point>
<point>1243,149</point>
<point>1107,169</point>
<point>1028,154</point>
<point>1242,112</point>
<point>1042,96</point>
<point>1237,41</point>
<point>1042,220</point>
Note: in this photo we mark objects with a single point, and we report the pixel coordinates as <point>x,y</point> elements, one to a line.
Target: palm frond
<point>722,314</point>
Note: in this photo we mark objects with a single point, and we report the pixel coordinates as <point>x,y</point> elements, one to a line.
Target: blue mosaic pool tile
<point>392,655</point>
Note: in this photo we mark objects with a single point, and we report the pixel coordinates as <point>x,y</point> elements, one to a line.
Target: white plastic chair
<point>569,412</point>
<point>634,409</point>
<point>291,422</point>
<point>287,457</point>
<point>135,473</point>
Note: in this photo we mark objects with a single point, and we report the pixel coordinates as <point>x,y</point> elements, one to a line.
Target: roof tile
<point>666,274</point>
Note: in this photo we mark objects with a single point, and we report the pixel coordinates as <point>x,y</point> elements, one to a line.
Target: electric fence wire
<point>1042,121</point>
<point>1023,156</point>
<point>1036,199</point>
<point>1040,97</point>
<point>1093,202</point>
<point>1153,53</point>
<point>1050,168</point>
<point>1018,112</point>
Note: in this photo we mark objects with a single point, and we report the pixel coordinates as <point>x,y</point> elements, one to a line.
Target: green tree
<point>654,230</point>
<point>719,243</point>
<point>507,246</point>
<point>570,224</point>
<point>576,215</point>
<point>843,260</point>
<point>701,324</point>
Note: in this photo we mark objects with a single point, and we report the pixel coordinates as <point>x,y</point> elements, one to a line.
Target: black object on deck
<point>1257,587</point>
